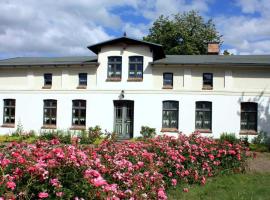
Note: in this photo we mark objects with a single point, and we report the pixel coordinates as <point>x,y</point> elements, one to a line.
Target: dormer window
<point>114,68</point>
<point>47,81</point>
<point>135,68</point>
<point>207,81</point>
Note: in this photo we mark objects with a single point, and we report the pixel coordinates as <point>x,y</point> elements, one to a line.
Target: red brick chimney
<point>213,48</point>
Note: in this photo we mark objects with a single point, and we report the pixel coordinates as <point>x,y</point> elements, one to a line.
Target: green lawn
<point>255,186</point>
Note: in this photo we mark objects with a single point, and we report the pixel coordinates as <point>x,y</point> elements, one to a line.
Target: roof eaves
<point>212,63</point>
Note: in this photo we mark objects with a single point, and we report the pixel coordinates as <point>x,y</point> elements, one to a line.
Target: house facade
<point>132,83</point>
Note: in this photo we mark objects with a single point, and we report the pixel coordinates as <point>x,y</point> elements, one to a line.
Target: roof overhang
<point>158,52</point>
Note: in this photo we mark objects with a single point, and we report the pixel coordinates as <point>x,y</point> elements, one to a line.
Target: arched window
<point>9,111</point>
<point>203,115</point>
<point>249,113</point>
<point>79,112</point>
<point>170,114</point>
<point>49,112</point>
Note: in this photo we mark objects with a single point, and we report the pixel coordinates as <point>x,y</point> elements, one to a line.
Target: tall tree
<point>186,34</point>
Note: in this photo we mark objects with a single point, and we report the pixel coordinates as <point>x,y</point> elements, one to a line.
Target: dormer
<point>125,61</point>
<point>124,42</point>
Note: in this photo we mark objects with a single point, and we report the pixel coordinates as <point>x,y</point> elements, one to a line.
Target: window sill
<point>113,79</point>
<point>47,87</point>
<point>167,87</point>
<point>82,87</point>
<point>248,132</point>
<point>8,125</point>
<point>169,130</point>
<point>48,127</point>
<point>77,128</point>
<point>207,88</point>
<point>135,80</point>
<point>204,130</point>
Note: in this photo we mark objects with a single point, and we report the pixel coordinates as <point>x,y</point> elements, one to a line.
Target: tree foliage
<point>186,33</point>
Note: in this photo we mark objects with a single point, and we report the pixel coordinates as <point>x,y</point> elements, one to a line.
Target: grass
<point>251,186</point>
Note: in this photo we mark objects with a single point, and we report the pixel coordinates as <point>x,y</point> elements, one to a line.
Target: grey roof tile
<point>215,59</point>
<point>20,61</point>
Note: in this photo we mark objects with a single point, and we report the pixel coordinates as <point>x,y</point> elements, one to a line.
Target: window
<point>207,81</point>
<point>49,112</point>
<point>170,114</point>
<point>167,80</point>
<point>47,79</point>
<point>82,79</point>
<point>9,111</point>
<point>136,67</point>
<point>203,119</point>
<point>249,112</point>
<point>78,112</point>
<point>114,67</point>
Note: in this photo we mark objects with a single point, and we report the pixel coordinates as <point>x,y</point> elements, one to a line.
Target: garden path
<point>260,164</point>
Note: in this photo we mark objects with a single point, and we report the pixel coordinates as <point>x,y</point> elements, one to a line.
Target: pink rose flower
<point>43,195</point>
<point>11,185</point>
<point>185,190</point>
<point>174,182</point>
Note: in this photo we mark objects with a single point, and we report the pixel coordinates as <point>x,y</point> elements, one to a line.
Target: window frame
<point>208,86</point>
<point>81,81</point>
<point>114,66</point>
<point>9,106</point>
<point>45,79</point>
<point>79,108</point>
<point>136,65</point>
<point>50,107</point>
<point>247,120</point>
<point>167,86</point>
<point>203,128</point>
<point>176,110</point>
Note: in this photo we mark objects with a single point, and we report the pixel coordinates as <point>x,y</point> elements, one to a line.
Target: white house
<point>132,83</point>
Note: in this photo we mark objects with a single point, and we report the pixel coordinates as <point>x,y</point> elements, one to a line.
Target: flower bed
<point>114,170</point>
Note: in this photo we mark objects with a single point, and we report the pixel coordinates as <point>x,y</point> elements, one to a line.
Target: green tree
<point>227,53</point>
<point>186,33</point>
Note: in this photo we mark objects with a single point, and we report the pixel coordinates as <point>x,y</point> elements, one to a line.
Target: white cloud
<point>66,27</point>
<point>248,33</point>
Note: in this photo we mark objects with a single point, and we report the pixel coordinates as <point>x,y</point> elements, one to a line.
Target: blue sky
<point>66,27</point>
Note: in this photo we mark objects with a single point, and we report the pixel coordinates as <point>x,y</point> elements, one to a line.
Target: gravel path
<point>260,164</point>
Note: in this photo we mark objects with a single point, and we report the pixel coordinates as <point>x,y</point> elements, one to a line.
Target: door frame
<point>124,102</point>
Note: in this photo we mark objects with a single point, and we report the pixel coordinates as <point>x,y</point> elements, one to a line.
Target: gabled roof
<point>214,59</point>
<point>24,61</point>
<point>158,52</point>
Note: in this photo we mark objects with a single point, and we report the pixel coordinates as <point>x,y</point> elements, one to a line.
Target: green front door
<point>123,118</point>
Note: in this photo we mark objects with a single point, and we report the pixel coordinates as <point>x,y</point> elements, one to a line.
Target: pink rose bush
<point>114,170</point>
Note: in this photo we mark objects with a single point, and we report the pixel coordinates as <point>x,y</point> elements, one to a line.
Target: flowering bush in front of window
<point>126,170</point>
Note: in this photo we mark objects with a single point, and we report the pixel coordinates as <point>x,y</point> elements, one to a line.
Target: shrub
<point>93,134</point>
<point>229,137</point>
<point>114,170</point>
<point>63,136</point>
<point>147,132</point>
<point>262,139</point>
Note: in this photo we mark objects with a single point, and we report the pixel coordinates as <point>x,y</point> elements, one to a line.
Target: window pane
<point>249,112</point>
<point>208,79</point>
<point>114,66</point>
<point>47,79</point>
<point>203,118</point>
<point>167,79</point>
<point>170,114</point>
<point>83,79</point>
<point>9,111</point>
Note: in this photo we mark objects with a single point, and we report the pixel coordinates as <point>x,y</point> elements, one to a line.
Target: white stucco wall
<point>231,86</point>
<point>125,52</point>
<point>147,110</point>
